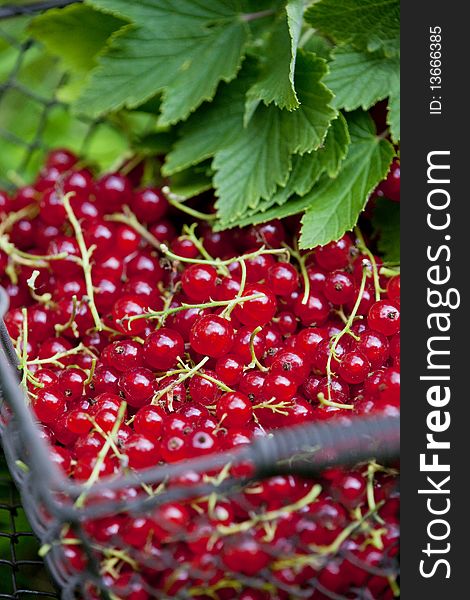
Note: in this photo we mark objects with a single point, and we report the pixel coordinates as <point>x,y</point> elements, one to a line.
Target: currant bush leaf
<point>335,204</point>
<point>258,159</point>
<point>76,34</point>
<point>360,79</point>
<point>183,49</point>
<point>386,222</point>
<point>307,168</point>
<point>393,115</point>
<point>296,205</point>
<point>276,82</point>
<point>367,24</point>
<point>213,127</point>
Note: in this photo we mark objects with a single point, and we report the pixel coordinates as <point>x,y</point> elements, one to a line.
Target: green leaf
<point>386,221</point>
<point>213,127</point>
<point>335,204</point>
<point>258,159</point>
<point>307,168</point>
<point>276,83</point>
<point>293,207</point>
<point>183,49</point>
<point>367,24</point>
<point>76,34</point>
<point>360,79</point>
<point>393,115</point>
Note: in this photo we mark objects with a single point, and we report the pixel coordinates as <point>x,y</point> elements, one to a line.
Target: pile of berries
<point>145,337</point>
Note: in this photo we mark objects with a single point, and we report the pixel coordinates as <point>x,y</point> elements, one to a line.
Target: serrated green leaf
<point>386,222</point>
<point>258,160</point>
<point>294,206</point>
<point>367,24</point>
<point>276,82</point>
<point>335,204</point>
<point>393,115</point>
<point>213,127</point>
<point>307,168</point>
<point>183,49</point>
<point>76,34</point>
<point>360,79</point>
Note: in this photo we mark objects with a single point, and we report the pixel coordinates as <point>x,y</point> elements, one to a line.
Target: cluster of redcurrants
<point>144,339</point>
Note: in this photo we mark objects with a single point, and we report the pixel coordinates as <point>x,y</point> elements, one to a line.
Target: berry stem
<point>163,314</point>
<point>276,408</point>
<point>157,397</point>
<point>365,250</point>
<point>178,202</point>
<point>325,402</point>
<point>254,361</point>
<point>86,266</point>
<point>228,311</point>
<point>301,259</point>
<point>102,455</point>
<point>55,359</point>
<point>372,467</point>
<point>217,262</point>
<point>129,218</point>
<point>336,338</point>
<point>71,322</point>
<point>8,222</point>
<point>331,549</point>
<point>271,515</point>
<point>388,272</point>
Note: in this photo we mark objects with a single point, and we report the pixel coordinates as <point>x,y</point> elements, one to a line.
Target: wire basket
<point>115,522</point>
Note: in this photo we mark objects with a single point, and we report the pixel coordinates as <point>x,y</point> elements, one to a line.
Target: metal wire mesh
<point>50,500</point>
<point>22,573</point>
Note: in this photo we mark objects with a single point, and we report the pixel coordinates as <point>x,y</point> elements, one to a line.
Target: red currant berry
<point>137,385</point>
<point>162,349</point>
<point>198,282</point>
<point>148,420</point>
<point>212,336</point>
<point>149,205</point>
<point>257,311</point>
<point>245,556</point>
<point>234,408</point>
<point>375,347</point>
<point>390,186</point>
<point>129,306</point>
<point>339,287</point>
<point>113,191</point>
<point>283,279</point>
<point>229,369</point>
<point>335,255</point>
<point>49,405</point>
<point>384,317</point>
<point>142,451</point>
<point>314,312</point>
<point>354,367</point>
<point>393,289</point>
<point>278,386</point>
<point>125,354</point>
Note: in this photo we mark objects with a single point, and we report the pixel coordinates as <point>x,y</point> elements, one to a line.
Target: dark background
<point>422,133</point>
